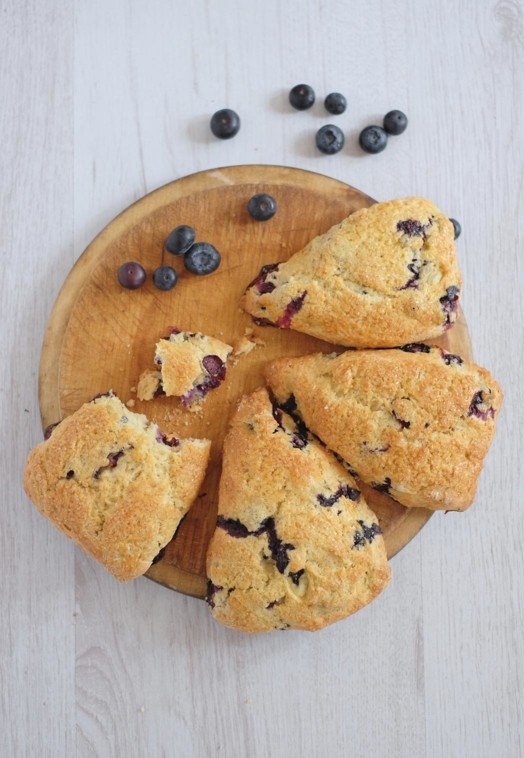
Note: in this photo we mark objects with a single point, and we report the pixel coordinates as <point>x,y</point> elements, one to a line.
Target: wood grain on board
<point>101,336</point>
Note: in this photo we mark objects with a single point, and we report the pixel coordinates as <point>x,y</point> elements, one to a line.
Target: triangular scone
<point>385,276</point>
<point>415,422</point>
<point>111,481</point>
<point>295,544</point>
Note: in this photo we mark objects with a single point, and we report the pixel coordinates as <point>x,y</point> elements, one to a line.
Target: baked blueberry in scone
<point>415,422</point>
<point>295,545</point>
<point>190,364</point>
<point>385,276</point>
<point>109,479</point>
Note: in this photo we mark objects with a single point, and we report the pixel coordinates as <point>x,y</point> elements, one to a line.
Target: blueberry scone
<point>385,276</point>
<point>415,422</point>
<point>190,364</point>
<point>295,545</point>
<point>111,481</point>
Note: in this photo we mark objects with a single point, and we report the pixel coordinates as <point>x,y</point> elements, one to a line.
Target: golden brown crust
<point>295,544</point>
<point>108,479</point>
<point>385,276</point>
<point>416,422</point>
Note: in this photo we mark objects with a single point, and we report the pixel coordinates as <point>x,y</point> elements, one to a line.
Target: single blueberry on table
<point>373,139</point>
<point>165,278</point>
<point>202,258</point>
<point>329,139</point>
<point>335,103</point>
<point>180,239</point>
<point>395,122</point>
<point>225,123</point>
<point>302,97</point>
<point>262,207</point>
<point>131,275</point>
<point>457,228</point>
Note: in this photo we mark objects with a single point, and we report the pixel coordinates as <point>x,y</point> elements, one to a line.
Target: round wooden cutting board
<point>101,336</point>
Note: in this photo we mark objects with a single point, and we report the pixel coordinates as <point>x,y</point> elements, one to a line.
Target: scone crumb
<point>243,346</point>
<point>132,389</point>
<point>130,403</point>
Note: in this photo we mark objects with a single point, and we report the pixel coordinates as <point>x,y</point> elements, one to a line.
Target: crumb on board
<point>130,403</point>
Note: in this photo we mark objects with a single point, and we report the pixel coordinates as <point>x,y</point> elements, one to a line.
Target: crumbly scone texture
<point>149,384</point>
<point>191,364</point>
<point>295,544</point>
<point>415,422</point>
<point>109,479</point>
<point>385,276</point>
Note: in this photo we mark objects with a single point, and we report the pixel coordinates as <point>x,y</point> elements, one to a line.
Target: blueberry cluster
<point>199,258</point>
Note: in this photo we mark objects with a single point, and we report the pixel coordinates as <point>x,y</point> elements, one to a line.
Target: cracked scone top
<point>415,422</point>
<point>295,544</point>
<point>109,479</point>
<point>190,365</point>
<point>385,276</point>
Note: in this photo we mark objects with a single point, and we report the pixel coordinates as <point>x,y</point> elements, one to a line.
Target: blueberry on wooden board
<point>131,275</point>
<point>202,258</point>
<point>262,207</point>
<point>180,239</point>
<point>165,278</point>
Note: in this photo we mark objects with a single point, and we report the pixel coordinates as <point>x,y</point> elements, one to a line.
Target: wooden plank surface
<point>105,101</point>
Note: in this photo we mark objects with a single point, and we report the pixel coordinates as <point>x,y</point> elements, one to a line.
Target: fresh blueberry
<point>335,103</point>
<point>131,275</point>
<point>225,123</point>
<point>373,139</point>
<point>165,278</point>
<point>302,97</point>
<point>395,122</point>
<point>262,206</point>
<point>330,139</point>
<point>180,239</point>
<point>202,258</point>
<point>456,227</point>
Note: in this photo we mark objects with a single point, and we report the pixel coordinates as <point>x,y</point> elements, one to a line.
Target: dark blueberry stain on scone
<point>449,303</point>
<point>279,550</point>
<point>70,474</point>
<point>413,227</point>
<point>216,373</point>
<point>365,534</point>
<point>260,283</point>
<point>262,321</point>
<point>234,527</point>
<point>415,347</point>
<point>48,431</point>
<point>402,422</point>
<point>212,589</point>
<point>289,406</point>
<point>295,576</point>
<point>375,450</point>
<point>343,491</point>
<point>384,486</point>
<point>112,459</point>
<point>451,360</point>
<point>415,267</point>
<point>298,441</point>
<point>160,391</point>
<point>164,439</point>
<point>479,407</point>
<point>159,556</point>
<point>291,309</point>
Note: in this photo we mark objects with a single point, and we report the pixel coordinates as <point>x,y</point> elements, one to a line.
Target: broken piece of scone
<point>385,276</point>
<point>415,422</point>
<point>110,480</point>
<point>295,545</point>
<point>190,365</point>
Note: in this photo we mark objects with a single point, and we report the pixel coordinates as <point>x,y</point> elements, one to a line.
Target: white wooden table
<point>105,100</point>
